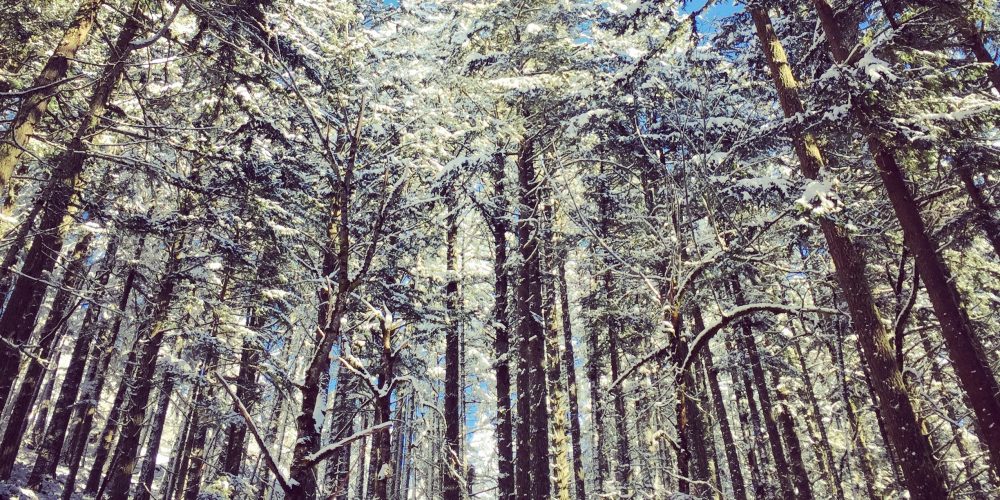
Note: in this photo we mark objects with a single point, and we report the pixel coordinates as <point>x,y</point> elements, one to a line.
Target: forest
<point>499,249</point>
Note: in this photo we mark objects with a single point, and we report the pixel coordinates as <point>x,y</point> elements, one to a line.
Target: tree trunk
<point>826,454</point>
<point>236,432</point>
<point>749,347</point>
<point>109,337</point>
<point>966,353</point>
<point>34,104</point>
<point>62,307</point>
<point>382,467</point>
<point>784,416</point>
<point>728,441</point>
<point>558,405</point>
<point>982,210</point>
<point>333,303</point>
<point>150,339</point>
<point>18,318</point>
<point>918,462</point>
<point>569,361</point>
<point>453,385</point>
<point>51,446</point>
<point>501,343</point>
<point>533,442</point>
<point>144,488</point>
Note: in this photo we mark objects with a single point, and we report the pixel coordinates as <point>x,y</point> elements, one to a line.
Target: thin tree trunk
<point>728,441</point>
<point>144,488</point>
<point>558,404</point>
<point>147,348</point>
<point>501,343</point>
<point>919,465</point>
<point>453,385</point>
<point>51,446</point>
<point>569,362</point>
<point>826,454</point>
<point>62,307</point>
<point>792,444</point>
<point>749,347</point>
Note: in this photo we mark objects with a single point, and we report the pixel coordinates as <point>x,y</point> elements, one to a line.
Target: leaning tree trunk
<point>34,104</point>
<point>18,318</point>
<point>62,308</point>
<point>964,349</point>
<point>922,475</point>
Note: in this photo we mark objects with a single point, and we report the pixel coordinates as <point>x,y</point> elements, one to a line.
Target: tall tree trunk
<point>749,420</point>
<point>51,445</point>
<point>558,404</point>
<point>234,450</point>
<point>922,476</point>
<point>18,318</point>
<point>964,349</point>
<point>381,464</point>
<point>728,441</point>
<point>333,303</point>
<point>62,307</point>
<point>569,362</point>
<point>453,385</point>
<point>144,488</point>
<point>109,337</point>
<point>532,391</point>
<point>784,417</point>
<point>499,226</point>
<point>749,347</point>
<point>826,454</point>
<point>150,338</point>
<point>32,109</point>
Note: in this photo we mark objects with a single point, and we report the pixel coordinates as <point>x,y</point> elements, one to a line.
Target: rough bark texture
<point>32,109</point>
<point>18,319</point>
<point>501,344</point>
<point>454,469</point>
<point>922,476</point>
<point>533,442</point>
<point>63,306</point>
<point>964,349</point>
<point>51,446</point>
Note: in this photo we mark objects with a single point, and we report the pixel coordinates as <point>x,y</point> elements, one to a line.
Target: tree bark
<point>62,307</point>
<point>533,436</point>
<point>923,478</point>
<point>569,362</point>
<point>32,109</point>
<point>147,348</point>
<point>728,441</point>
<point>454,463</point>
<point>18,318</point>
<point>499,227</point>
<point>143,489</point>
<point>964,349</point>
<point>51,446</point>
